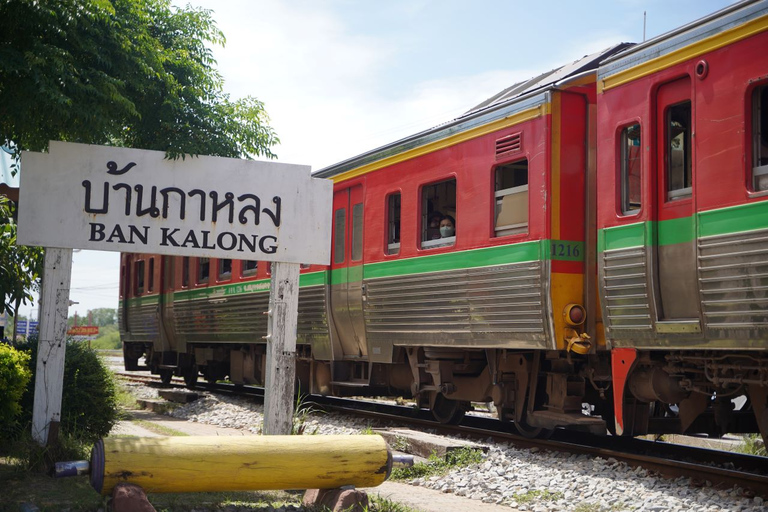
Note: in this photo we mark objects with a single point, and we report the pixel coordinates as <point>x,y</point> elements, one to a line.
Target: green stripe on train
<point>734,219</point>
<point>230,289</point>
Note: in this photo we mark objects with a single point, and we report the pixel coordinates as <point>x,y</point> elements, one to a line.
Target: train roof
<point>517,98</point>
<point>711,25</point>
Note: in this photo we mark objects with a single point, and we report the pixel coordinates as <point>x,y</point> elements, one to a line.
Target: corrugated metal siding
<point>503,303</point>
<point>733,279</point>
<point>143,323</point>
<point>241,317</point>
<point>624,275</point>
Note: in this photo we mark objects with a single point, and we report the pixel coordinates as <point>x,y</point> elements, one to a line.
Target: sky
<point>341,77</point>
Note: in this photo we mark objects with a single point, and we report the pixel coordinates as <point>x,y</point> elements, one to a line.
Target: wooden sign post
<point>281,349</point>
<point>129,200</point>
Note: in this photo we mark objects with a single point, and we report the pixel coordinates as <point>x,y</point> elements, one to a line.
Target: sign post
<point>51,345</point>
<point>118,199</point>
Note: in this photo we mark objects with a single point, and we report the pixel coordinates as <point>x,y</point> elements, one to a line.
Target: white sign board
<point>129,200</point>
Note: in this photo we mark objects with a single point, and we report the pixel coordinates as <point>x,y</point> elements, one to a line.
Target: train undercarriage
<point>663,392</point>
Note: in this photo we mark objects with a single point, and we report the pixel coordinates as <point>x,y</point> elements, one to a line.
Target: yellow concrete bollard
<point>199,464</point>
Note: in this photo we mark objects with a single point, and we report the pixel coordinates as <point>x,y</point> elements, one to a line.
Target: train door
<point>677,284</point>
<point>347,271</point>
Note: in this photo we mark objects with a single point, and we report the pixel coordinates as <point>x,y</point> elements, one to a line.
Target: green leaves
<point>20,266</point>
<point>137,73</point>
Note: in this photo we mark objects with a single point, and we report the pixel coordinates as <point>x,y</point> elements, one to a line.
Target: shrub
<point>14,377</point>
<point>88,405</point>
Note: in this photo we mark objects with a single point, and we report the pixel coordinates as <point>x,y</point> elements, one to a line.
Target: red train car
<point>602,263</point>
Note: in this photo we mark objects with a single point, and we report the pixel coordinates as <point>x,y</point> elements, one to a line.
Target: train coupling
<point>578,343</point>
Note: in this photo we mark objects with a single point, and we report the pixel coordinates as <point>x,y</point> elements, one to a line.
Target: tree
<point>20,266</point>
<point>135,73</point>
<point>101,317</point>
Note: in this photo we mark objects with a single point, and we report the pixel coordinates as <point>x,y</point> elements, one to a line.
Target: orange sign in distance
<point>83,330</point>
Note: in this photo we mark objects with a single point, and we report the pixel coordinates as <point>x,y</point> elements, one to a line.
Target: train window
<point>630,153</point>
<point>438,201</point>
<point>185,272</point>
<point>139,286</point>
<point>339,228</point>
<point>393,223</point>
<point>357,232</point>
<point>151,280</point>
<point>203,270</point>
<point>678,148</point>
<point>511,196</point>
<point>248,267</point>
<point>760,138</point>
<point>225,269</point>
<point>122,281</point>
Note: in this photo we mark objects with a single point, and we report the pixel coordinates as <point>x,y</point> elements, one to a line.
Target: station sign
<point>83,330</point>
<point>82,196</point>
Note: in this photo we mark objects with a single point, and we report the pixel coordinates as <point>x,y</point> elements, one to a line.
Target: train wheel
<point>165,376</point>
<point>526,430</point>
<point>447,411</point>
<point>190,376</point>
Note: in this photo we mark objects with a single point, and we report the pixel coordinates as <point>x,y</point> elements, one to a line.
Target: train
<point>607,270</point>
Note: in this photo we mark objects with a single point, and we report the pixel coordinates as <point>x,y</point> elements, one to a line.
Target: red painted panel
<point>721,141</point>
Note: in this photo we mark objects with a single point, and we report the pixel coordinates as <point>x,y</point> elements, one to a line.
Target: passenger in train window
<point>433,231</point>
<point>447,227</point>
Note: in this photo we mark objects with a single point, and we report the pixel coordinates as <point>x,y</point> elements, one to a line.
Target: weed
<point>438,465</point>
<point>301,413</point>
<point>400,444</point>
<point>159,429</point>
<point>752,445</point>
<point>587,506</point>
<point>538,495</point>
<point>367,431</point>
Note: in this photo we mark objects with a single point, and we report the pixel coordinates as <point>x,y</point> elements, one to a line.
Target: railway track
<point>722,469</point>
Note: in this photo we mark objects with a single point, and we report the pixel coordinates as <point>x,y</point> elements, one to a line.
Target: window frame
<point>199,280</point>
<point>756,107</point>
<point>221,274</point>
<point>519,228</point>
<point>151,276</point>
<point>684,192</point>
<point>623,182</point>
<point>394,225</point>
<point>248,272</point>
<point>138,273</point>
<point>424,242</point>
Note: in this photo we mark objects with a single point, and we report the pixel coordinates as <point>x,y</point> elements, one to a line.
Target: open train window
<point>203,270</point>
<point>185,272</point>
<point>225,269</point>
<point>249,267</point>
<point>438,206</point>
<point>139,285</point>
<point>393,223</point>
<point>151,280</point>
<point>678,147</point>
<point>511,198</point>
<point>760,139</point>
<point>629,159</point>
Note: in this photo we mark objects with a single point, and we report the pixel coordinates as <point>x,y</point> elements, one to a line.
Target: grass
<point>537,495</point>
<point>159,429</point>
<point>438,465</point>
<point>752,445</point>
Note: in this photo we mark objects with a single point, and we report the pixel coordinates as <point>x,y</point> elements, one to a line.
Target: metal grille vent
<point>509,144</point>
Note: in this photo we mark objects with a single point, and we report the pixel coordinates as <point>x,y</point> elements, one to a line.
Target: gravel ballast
<point>525,479</point>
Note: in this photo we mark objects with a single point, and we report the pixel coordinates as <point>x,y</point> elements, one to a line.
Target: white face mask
<point>446,231</point>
